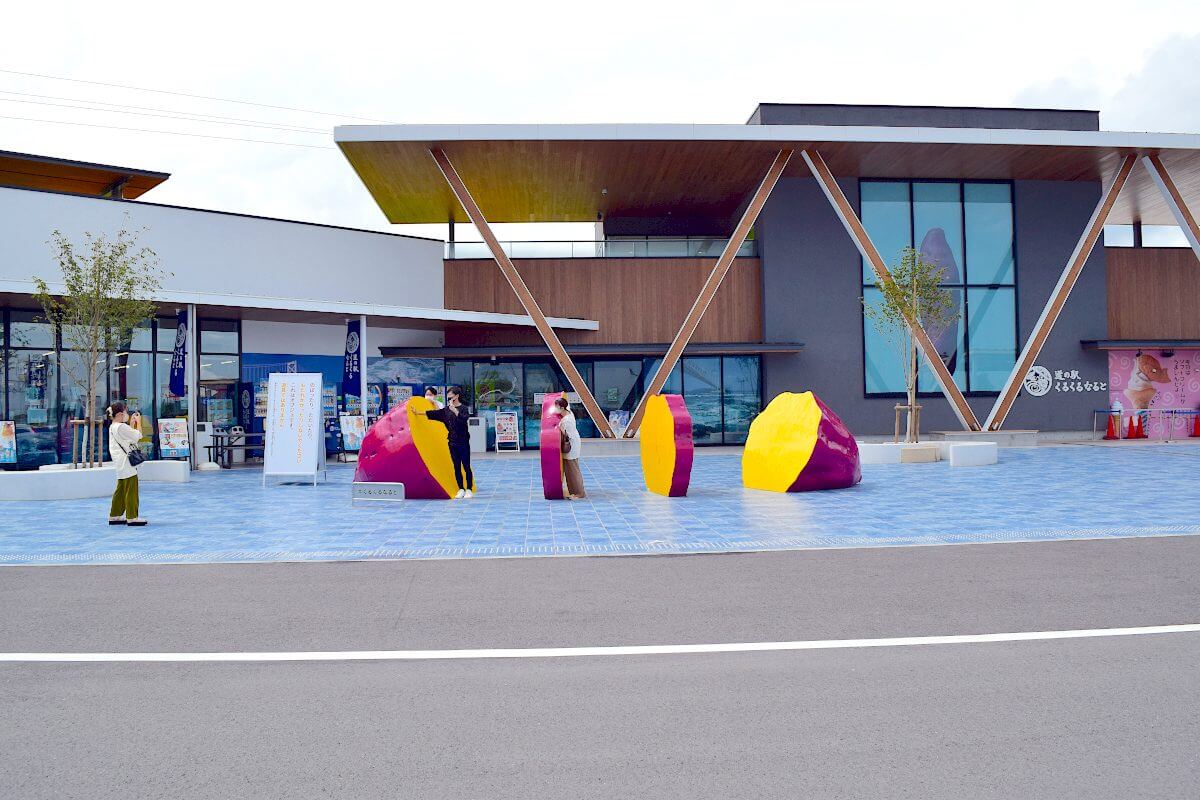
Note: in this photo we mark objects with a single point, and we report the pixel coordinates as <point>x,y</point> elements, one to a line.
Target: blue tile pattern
<point>1033,494</point>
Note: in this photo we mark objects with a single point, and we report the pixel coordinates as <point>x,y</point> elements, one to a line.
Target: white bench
<point>164,472</point>
<point>58,484</point>
<point>972,454</point>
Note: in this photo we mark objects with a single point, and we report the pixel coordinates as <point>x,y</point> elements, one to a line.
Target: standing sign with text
<point>294,429</point>
<point>507,432</point>
<point>8,442</point>
<point>173,438</point>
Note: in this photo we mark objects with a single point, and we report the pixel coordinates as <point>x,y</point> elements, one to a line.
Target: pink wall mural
<point>1148,379</point>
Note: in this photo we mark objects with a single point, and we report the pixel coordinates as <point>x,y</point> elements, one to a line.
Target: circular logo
<point>180,337</point>
<point>1038,381</point>
<point>246,399</point>
<point>352,343</point>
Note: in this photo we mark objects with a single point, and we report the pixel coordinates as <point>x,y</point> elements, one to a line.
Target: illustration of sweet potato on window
<point>1146,372</point>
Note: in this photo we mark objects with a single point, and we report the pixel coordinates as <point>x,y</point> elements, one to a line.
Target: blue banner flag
<point>352,367</point>
<point>178,384</point>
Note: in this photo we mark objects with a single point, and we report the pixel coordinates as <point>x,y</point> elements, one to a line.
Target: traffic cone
<point>1131,434</point>
<point>1196,426</point>
<point>1111,433</point>
<point>1141,433</point>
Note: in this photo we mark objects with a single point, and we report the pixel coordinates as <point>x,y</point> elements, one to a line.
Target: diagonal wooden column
<point>704,299</point>
<point>1170,192</point>
<point>858,233</point>
<point>523,294</point>
<point>1058,298</point>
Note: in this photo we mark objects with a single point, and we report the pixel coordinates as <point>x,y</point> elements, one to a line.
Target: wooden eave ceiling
<point>75,177</point>
<point>564,180</point>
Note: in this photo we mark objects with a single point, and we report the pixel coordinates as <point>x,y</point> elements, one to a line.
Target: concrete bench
<point>58,484</point>
<point>971,454</point>
<point>164,472</point>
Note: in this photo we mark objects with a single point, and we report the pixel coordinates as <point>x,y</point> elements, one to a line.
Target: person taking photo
<point>124,434</point>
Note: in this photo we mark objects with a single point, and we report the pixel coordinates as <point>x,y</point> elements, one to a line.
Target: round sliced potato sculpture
<point>550,442</point>
<point>405,446</point>
<point>797,445</point>
<point>666,442</point>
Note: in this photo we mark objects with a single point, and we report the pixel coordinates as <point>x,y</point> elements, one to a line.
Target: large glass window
<point>616,385</point>
<point>966,228</point>
<point>741,382</point>
<point>702,393</point>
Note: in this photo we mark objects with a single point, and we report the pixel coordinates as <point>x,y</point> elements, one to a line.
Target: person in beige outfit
<point>572,449</point>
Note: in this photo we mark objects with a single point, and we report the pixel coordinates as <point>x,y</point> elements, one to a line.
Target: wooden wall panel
<point>1153,293</point>
<point>635,300</point>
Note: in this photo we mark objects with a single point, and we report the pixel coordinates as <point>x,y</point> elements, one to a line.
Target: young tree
<point>107,286</point>
<point>914,294</point>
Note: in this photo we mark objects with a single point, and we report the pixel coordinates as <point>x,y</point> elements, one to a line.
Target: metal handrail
<point>694,247</point>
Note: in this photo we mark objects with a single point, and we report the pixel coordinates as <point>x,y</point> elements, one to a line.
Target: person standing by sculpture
<point>571,450</point>
<point>454,417</point>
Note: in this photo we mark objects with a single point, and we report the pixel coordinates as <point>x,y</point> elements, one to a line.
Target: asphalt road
<point>1094,718</point>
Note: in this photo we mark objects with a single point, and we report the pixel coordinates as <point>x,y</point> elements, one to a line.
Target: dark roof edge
<point>69,162</point>
<point>224,213</point>
<point>935,105</point>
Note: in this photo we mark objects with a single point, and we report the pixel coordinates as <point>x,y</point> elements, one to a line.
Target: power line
<point>187,114</point>
<point>169,133</point>
<point>308,131</point>
<point>186,94</point>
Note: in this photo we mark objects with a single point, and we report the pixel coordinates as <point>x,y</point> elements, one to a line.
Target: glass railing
<point>613,248</point>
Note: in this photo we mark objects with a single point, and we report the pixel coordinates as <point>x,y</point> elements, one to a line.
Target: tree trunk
<point>912,434</point>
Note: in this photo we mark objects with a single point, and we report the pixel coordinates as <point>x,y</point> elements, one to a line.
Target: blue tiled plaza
<point>1032,494</point>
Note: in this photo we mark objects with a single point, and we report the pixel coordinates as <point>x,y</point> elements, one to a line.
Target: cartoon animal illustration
<point>1146,372</point>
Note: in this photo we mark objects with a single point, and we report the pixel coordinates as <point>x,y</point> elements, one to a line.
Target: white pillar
<point>362,364</point>
<point>192,373</point>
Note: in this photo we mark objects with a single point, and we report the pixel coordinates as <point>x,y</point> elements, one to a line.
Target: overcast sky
<point>534,62</point>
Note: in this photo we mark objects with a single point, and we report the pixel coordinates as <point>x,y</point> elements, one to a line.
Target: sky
<point>317,65</point>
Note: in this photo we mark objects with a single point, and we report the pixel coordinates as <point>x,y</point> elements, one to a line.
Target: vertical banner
<point>295,431</point>
<point>352,365</point>
<point>178,385</point>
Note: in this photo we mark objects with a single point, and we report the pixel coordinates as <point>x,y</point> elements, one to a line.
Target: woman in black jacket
<point>454,417</point>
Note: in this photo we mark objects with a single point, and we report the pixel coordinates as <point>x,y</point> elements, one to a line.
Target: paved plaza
<point>1064,492</point>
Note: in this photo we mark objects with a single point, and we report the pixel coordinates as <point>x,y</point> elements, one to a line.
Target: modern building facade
<point>1001,199</point>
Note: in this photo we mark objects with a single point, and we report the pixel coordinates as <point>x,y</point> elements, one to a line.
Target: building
<point>1010,202</point>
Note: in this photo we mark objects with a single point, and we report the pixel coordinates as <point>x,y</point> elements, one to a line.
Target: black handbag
<point>136,456</point>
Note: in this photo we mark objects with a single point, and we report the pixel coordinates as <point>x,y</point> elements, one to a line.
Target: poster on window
<point>295,432</point>
<point>397,395</point>
<point>8,442</point>
<point>260,399</point>
<point>507,432</point>
<point>374,400</point>
<point>329,401</point>
<point>354,429</point>
<point>173,438</point>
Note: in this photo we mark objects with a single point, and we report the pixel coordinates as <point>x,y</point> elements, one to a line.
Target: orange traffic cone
<point>1196,426</point>
<point>1141,433</point>
<point>1111,433</point>
<point>1131,433</point>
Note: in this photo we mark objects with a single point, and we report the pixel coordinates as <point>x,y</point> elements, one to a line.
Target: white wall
<point>229,254</point>
<point>326,340</point>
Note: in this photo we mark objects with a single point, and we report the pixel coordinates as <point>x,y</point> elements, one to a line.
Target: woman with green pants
<point>123,435</point>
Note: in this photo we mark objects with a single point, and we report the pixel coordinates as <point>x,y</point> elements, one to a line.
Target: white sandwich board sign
<point>295,430</point>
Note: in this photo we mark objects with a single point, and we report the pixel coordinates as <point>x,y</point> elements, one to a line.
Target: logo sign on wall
<point>173,438</point>
<point>1039,381</point>
<point>8,442</point>
<point>295,432</point>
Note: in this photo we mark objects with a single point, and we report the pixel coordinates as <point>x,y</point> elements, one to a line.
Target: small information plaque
<point>366,490</point>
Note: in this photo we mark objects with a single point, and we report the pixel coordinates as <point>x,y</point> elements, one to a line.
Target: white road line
<point>577,652</point>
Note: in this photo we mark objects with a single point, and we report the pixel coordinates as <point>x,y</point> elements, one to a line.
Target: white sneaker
<point>468,495</point>
<point>461,494</point>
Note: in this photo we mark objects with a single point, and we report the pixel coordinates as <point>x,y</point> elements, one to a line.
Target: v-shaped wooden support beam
<point>1058,298</point>
<point>523,294</point>
<point>1170,192</point>
<point>704,299</point>
<point>858,233</point>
